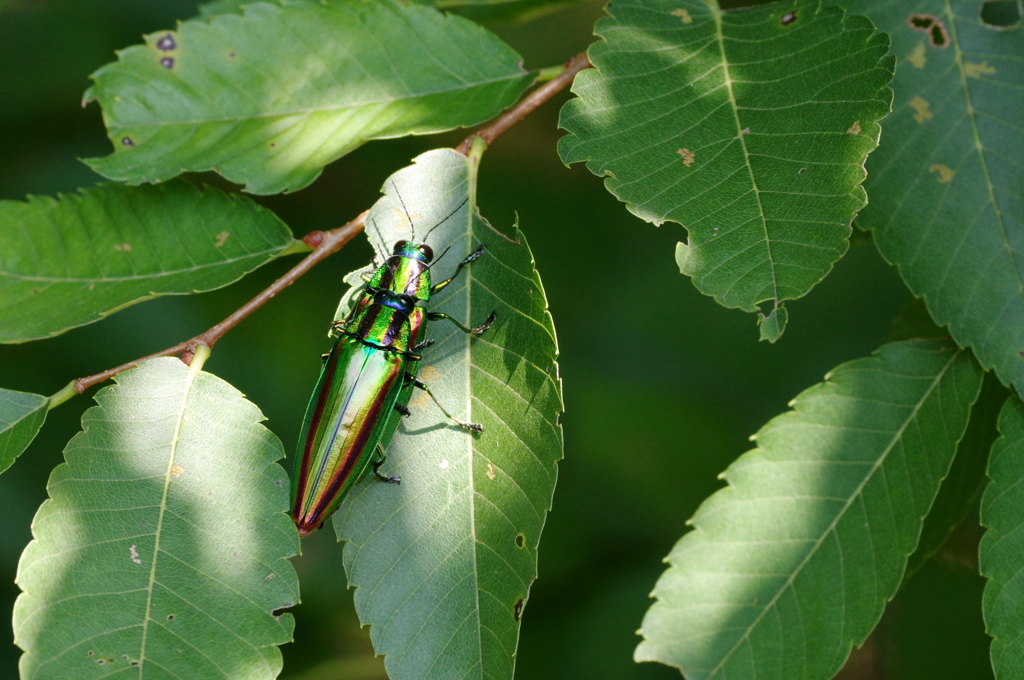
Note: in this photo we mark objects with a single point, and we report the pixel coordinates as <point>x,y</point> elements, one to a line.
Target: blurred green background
<point>662,386</point>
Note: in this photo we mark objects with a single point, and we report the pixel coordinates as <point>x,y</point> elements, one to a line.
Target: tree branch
<point>329,242</point>
<point>528,104</point>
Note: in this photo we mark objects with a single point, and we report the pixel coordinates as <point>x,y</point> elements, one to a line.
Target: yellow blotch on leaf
<point>687,155</point>
<point>854,129</point>
<point>491,474</point>
<point>683,14</point>
<point>945,173</point>
<point>220,238</point>
<point>917,57</point>
<point>973,70</point>
<point>123,247</point>
<point>920,106</point>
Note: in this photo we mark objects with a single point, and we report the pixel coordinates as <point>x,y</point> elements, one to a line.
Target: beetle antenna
<point>380,237</point>
<point>440,256</point>
<point>457,209</point>
<point>407,215</point>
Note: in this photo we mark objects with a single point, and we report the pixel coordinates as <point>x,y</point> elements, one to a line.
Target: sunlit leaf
<point>71,260</point>
<point>791,564</point>
<point>748,127</point>
<point>443,563</point>
<point>478,10</point>
<point>947,204</point>
<point>298,84</point>
<point>1002,559</point>
<point>162,552</point>
<point>21,416</point>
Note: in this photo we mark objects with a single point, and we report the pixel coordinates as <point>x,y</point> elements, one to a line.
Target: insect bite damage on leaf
<point>788,18</point>
<point>687,155</point>
<point>854,129</point>
<point>932,26</point>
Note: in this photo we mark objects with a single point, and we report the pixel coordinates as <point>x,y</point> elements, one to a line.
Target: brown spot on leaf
<point>221,238</point>
<point>921,112</point>
<point>917,56</point>
<point>491,474</point>
<point>973,70</point>
<point>683,14</point>
<point>687,155</point>
<point>854,129</point>
<point>166,42</point>
<point>944,172</point>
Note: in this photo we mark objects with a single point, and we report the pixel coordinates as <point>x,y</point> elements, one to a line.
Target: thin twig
<point>528,104</point>
<point>329,242</point>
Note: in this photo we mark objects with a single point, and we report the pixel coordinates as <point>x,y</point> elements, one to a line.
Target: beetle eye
<point>399,246</point>
<point>426,252</point>
<point>407,300</point>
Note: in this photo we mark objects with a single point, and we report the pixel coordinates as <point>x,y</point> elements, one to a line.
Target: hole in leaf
<point>788,18</point>
<point>520,541</point>
<point>167,62</point>
<point>517,609</point>
<point>1000,13</point>
<point>921,22</point>
<point>932,26</point>
<point>170,617</point>
<point>127,141</point>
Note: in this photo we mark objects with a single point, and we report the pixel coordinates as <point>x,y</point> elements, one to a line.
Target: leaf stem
<point>326,243</point>
<point>59,398</point>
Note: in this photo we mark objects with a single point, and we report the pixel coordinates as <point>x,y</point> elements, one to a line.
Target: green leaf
<point>73,260</point>
<point>269,97</point>
<point>21,416</point>
<point>478,10</point>
<point>443,563</point>
<point>791,564</point>
<point>164,544</point>
<point>946,198</point>
<point>748,127</point>
<point>960,493</point>
<point>1000,553</point>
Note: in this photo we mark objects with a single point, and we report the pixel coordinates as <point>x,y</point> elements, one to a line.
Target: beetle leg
<point>434,316</point>
<point>472,427</point>
<point>376,468</point>
<point>469,258</point>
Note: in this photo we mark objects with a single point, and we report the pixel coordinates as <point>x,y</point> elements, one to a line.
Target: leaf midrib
<point>193,371</point>
<point>855,494</point>
<point>979,147</point>
<point>339,108</point>
<point>720,38</point>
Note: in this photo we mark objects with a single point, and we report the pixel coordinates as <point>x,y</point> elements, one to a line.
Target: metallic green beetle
<point>364,381</point>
